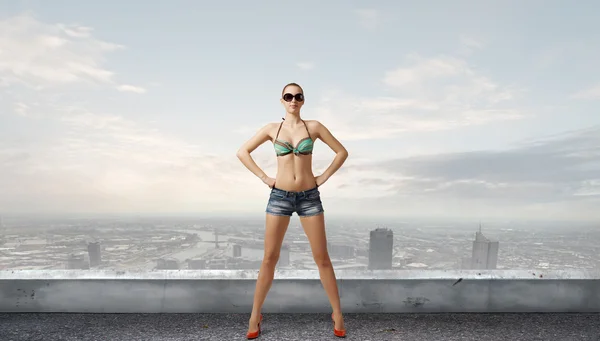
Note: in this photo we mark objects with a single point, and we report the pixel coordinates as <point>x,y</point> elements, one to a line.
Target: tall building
<point>94,253</point>
<point>485,252</point>
<point>216,239</point>
<point>381,248</point>
<point>237,250</point>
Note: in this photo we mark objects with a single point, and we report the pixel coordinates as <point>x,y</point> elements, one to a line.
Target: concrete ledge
<point>231,291</point>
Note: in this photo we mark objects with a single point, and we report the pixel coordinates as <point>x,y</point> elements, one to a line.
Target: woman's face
<point>292,99</point>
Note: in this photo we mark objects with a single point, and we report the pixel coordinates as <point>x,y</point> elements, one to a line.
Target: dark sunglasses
<point>288,97</point>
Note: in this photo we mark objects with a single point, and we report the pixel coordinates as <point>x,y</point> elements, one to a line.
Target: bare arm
<point>249,146</point>
<point>341,154</point>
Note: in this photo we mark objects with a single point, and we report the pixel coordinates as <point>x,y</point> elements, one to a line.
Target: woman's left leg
<point>314,227</point>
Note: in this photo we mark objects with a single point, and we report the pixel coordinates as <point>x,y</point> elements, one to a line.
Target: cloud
<point>543,171</point>
<point>424,70</point>
<point>107,163</point>
<point>368,18</point>
<point>41,56</point>
<point>471,42</point>
<point>90,160</point>
<point>21,109</point>
<point>131,88</point>
<point>592,93</point>
<point>306,65</point>
<point>76,31</point>
<point>557,177</point>
<point>438,93</point>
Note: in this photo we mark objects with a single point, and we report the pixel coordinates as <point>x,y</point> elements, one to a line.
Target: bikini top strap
<point>278,130</point>
<point>306,129</point>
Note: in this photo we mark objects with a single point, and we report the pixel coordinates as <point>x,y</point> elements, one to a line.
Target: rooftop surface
<point>413,327</point>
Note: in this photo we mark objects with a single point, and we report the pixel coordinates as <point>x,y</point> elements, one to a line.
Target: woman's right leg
<point>275,228</point>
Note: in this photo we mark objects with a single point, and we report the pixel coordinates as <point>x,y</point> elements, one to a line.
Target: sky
<point>466,109</point>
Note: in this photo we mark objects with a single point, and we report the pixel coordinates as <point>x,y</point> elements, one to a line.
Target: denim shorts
<point>304,203</point>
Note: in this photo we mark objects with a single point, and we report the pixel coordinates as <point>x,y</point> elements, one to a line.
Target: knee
<point>323,260</point>
<point>271,258</point>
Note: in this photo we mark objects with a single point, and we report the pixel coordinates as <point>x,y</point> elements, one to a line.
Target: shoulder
<point>314,125</point>
<point>269,127</point>
<point>268,130</point>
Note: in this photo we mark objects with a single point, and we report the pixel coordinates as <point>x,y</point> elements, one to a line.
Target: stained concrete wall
<point>198,291</point>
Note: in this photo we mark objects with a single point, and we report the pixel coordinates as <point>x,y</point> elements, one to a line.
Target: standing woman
<point>294,189</point>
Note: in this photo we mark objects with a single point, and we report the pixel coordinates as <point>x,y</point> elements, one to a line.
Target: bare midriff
<point>294,173</point>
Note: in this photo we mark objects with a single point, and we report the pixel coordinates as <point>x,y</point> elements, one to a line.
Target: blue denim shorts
<point>304,203</point>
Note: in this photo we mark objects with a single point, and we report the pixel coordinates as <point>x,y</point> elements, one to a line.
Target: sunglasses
<point>288,97</point>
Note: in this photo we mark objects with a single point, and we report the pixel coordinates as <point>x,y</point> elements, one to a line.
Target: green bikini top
<point>304,147</point>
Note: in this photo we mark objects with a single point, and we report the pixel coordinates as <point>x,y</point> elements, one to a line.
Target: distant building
<point>167,264</point>
<point>464,263</point>
<point>217,263</point>
<point>485,252</point>
<point>196,264</point>
<point>237,251</point>
<point>94,253</point>
<point>381,248</point>
<point>340,251</point>
<point>77,262</point>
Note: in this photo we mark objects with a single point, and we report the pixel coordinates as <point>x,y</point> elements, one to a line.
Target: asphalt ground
<point>410,327</point>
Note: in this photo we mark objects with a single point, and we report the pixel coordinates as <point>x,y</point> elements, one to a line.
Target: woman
<point>294,189</point>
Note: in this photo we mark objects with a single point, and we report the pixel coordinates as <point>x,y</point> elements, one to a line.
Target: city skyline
<point>485,112</point>
<point>198,245</point>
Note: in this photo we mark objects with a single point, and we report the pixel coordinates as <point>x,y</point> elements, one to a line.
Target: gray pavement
<point>411,327</point>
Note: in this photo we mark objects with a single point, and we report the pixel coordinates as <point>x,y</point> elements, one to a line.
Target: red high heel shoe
<point>336,332</point>
<point>254,335</point>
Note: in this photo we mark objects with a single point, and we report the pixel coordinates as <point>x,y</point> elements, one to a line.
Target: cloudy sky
<point>470,109</point>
